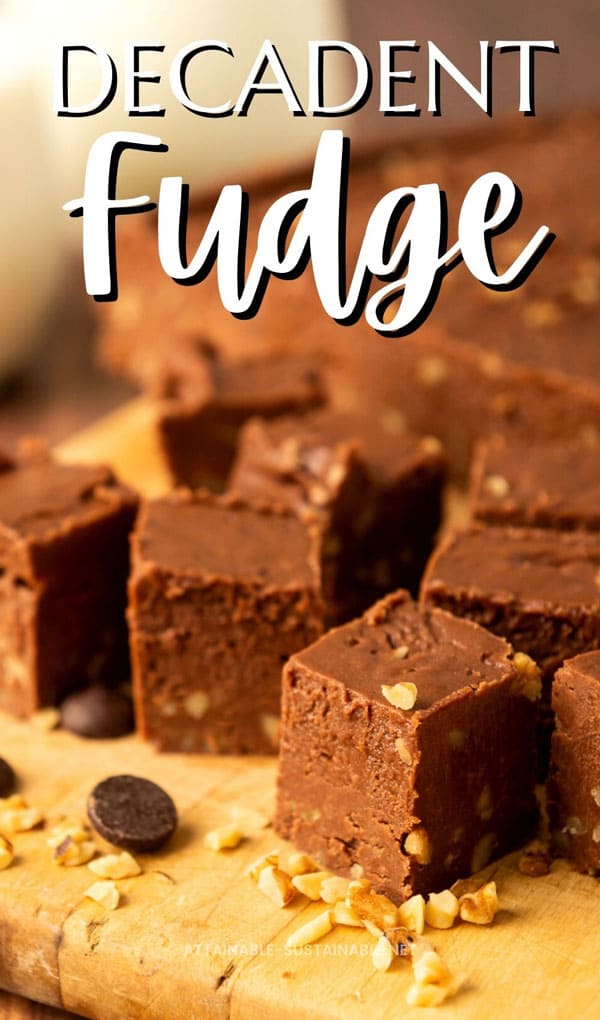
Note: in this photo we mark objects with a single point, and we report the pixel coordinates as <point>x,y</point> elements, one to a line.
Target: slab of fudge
<point>544,485</point>
<point>574,782</point>
<point>410,798</point>
<point>538,588</point>
<point>64,561</point>
<point>204,400</point>
<point>220,595</point>
<point>376,493</point>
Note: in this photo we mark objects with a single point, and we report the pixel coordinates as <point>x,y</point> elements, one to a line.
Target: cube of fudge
<point>536,484</point>
<point>64,561</point>
<point>537,588</point>
<point>205,399</point>
<point>394,762</point>
<point>376,493</point>
<point>221,594</point>
<point>574,782</point>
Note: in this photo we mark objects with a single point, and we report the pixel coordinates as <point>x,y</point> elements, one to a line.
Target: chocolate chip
<point>7,779</point>
<point>132,813</point>
<point>97,712</point>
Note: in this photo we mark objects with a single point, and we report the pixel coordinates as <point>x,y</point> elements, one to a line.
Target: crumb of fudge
<point>17,816</point>
<point>225,837</point>
<point>401,695</point>
<point>115,866</point>
<point>479,907</point>
<point>311,932</point>
<point>535,860</point>
<point>276,885</point>
<point>441,909</point>
<point>105,893</point>
<point>6,853</point>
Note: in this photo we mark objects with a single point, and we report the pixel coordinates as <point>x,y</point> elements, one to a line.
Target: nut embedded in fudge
<point>221,594</point>
<point>206,399</point>
<point>410,798</point>
<point>537,588</point>
<point>375,492</point>
<point>537,484</point>
<point>574,781</point>
<point>64,560</point>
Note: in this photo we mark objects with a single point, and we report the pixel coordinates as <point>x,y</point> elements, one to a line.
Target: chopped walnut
<point>105,893</point>
<point>411,914</point>
<point>343,914</point>
<point>403,751</point>
<point>530,682</point>
<point>433,982</point>
<point>115,866</point>
<point>70,854</point>
<point>417,845</point>
<point>310,932</point>
<point>46,719</point>
<point>479,907</point>
<point>441,909</point>
<point>276,885</point>
<point>293,862</point>
<point>382,954</point>
<point>371,906</point>
<point>483,851</point>
<point>400,939</point>
<point>267,861</point>
<point>249,821</point>
<point>17,816</point>
<point>310,884</point>
<point>226,837</point>
<point>334,889</point>
<point>402,695</point>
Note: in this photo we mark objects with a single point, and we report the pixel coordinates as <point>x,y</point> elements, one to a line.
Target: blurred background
<point>48,382</point>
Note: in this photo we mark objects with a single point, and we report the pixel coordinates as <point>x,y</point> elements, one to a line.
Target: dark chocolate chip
<point>7,779</point>
<point>97,712</point>
<point>132,813</point>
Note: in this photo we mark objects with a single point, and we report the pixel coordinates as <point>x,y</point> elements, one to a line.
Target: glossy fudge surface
<point>64,558</point>
<point>537,484</point>
<point>416,797</point>
<point>221,594</point>
<point>574,783</point>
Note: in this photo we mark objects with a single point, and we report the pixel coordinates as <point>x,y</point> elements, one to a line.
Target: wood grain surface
<point>194,938</point>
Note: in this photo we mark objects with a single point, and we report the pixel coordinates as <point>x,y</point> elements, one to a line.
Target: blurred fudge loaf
<point>525,362</point>
<point>540,589</point>
<point>543,485</point>
<point>64,561</point>
<point>394,761</point>
<point>574,782</point>
<point>220,595</point>
<point>376,495</point>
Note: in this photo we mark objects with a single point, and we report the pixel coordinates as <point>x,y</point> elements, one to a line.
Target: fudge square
<point>205,399</point>
<point>409,796</point>
<point>537,484</point>
<point>220,595</point>
<point>64,561</point>
<point>376,492</point>
<point>574,782</point>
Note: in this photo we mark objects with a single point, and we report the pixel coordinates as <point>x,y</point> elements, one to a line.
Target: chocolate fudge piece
<point>537,588</point>
<point>574,783</point>
<point>375,492</point>
<point>221,594</point>
<point>64,559</point>
<point>544,485</point>
<point>409,797</point>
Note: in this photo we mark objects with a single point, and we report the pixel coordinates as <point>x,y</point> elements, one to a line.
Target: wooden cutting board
<point>194,938</point>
